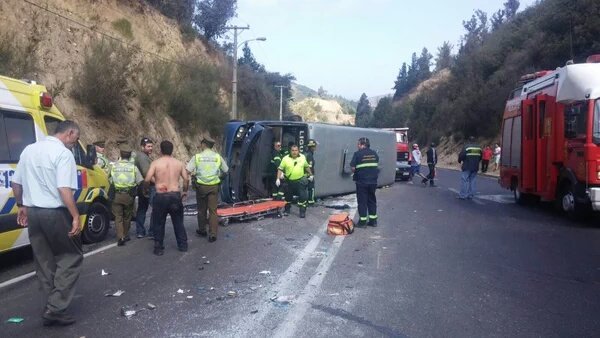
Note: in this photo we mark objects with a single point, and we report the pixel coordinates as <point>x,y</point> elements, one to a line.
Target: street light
<point>235,66</point>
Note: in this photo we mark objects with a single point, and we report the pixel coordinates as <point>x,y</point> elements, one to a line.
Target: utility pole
<point>235,66</point>
<point>281,101</point>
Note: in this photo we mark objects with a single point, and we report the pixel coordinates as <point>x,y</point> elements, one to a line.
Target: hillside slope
<point>63,30</point>
<point>319,110</point>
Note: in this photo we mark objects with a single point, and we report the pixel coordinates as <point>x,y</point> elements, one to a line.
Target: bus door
<point>528,155</point>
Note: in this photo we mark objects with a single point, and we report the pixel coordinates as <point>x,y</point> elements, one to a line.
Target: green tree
<point>322,92</point>
<point>510,8</point>
<point>180,10</point>
<point>363,112</point>
<point>249,60</point>
<point>401,84</point>
<point>424,64</point>
<point>444,57</point>
<point>212,17</point>
<point>382,115</point>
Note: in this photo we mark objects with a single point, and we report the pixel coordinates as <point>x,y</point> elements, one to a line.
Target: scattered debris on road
<point>265,272</point>
<point>15,320</point>
<point>104,273</point>
<point>151,306</point>
<point>231,293</point>
<point>283,300</point>
<point>254,312</point>
<point>117,293</point>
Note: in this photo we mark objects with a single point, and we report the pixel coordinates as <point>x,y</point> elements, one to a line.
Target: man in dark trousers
<point>431,163</point>
<point>294,168</point>
<point>276,156</point>
<point>142,162</point>
<point>43,185</point>
<point>365,166</point>
<point>469,158</point>
<point>310,157</point>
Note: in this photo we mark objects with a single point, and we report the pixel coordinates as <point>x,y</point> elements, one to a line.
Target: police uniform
<point>276,156</point>
<point>293,170</point>
<point>124,176</point>
<point>365,163</point>
<point>207,167</point>
<point>310,157</point>
<point>101,159</point>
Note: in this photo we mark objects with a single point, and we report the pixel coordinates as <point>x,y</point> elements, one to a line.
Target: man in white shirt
<point>415,165</point>
<point>43,185</point>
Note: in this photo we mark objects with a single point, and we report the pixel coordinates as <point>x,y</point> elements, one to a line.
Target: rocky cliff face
<point>62,30</point>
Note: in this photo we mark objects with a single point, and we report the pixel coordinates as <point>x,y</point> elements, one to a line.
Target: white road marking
<point>293,318</point>
<point>32,273</point>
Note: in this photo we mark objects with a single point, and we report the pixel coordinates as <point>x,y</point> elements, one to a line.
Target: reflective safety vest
<point>123,175</point>
<point>102,162</point>
<point>293,168</point>
<point>208,165</point>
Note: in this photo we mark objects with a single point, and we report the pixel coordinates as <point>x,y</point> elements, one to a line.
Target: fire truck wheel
<point>569,205</point>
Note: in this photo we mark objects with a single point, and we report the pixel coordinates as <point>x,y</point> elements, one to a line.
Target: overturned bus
<point>247,146</point>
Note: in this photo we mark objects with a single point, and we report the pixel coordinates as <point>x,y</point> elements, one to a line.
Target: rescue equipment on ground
<point>340,224</point>
<point>243,211</point>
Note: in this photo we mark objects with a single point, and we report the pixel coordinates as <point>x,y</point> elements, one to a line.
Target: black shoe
<point>372,223</point>
<point>212,239</point>
<point>159,251</point>
<point>361,224</point>
<point>286,211</point>
<point>127,238</point>
<point>140,236</point>
<point>121,242</point>
<point>424,181</point>
<point>302,213</point>
<point>50,318</point>
<point>201,233</point>
<point>182,249</point>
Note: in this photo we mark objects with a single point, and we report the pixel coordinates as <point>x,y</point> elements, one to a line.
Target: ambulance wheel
<point>97,223</point>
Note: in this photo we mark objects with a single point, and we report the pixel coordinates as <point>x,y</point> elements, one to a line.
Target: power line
<point>130,45</point>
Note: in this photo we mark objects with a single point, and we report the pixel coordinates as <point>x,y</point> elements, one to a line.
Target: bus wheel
<point>97,223</point>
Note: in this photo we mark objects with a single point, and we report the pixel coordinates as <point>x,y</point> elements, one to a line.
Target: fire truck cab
<point>551,138</point>
<point>403,157</point>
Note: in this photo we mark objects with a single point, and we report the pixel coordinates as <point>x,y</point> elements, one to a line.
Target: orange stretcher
<point>243,211</point>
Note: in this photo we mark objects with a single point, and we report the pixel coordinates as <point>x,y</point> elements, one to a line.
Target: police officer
<point>310,157</point>
<point>293,168</point>
<point>364,165</point>
<point>101,159</point>
<point>207,167</point>
<point>276,156</point>
<point>124,176</point>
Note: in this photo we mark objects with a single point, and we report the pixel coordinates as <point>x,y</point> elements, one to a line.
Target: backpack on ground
<point>340,224</point>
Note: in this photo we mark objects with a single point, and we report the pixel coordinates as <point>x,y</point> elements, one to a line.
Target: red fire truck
<point>551,138</point>
<point>403,157</point>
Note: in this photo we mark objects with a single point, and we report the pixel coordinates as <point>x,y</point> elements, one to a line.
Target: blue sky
<point>352,46</point>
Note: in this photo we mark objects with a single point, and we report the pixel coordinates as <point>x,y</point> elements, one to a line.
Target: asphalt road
<point>435,266</point>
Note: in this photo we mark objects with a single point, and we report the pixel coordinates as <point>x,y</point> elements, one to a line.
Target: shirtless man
<point>166,172</point>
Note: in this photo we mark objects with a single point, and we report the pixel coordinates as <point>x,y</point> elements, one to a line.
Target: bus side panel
<point>337,144</point>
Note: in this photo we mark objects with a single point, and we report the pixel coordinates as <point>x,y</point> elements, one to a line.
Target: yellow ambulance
<point>27,114</point>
